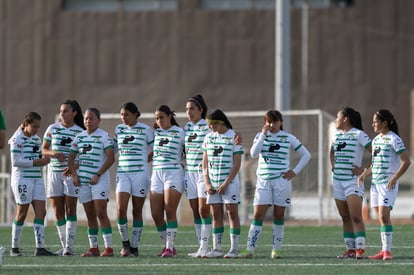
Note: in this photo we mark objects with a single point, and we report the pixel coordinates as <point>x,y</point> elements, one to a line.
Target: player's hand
<point>288,175</point>
<point>391,184</point>
<point>265,128</point>
<point>76,181</point>
<point>59,156</point>
<point>94,180</point>
<point>66,172</point>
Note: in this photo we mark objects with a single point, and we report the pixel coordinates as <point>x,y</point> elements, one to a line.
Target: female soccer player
<point>347,149</point>
<point>95,149</point>
<point>167,179</point>
<point>390,160</point>
<point>273,187</point>
<point>62,194</point>
<point>195,131</point>
<point>221,163</point>
<point>27,182</point>
<point>133,142</point>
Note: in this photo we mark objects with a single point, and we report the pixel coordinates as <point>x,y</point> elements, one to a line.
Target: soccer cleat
<point>163,250</point>
<point>108,252</point>
<point>349,254</point>
<point>67,251</point>
<point>1,255</point>
<point>276,254</point>
<point>234,253</point>
<point>202,253</point>
<point>92,252</point>
<point>133,252</point>
<point>192,255</point>
<point>167,253</point>
<point>360,254</point>
<point>126,249</point>
<point>215,253</point>
<point>387,256</point>
<point>43,252</point>
<point>378,256</point>
<point>246,254</point>
<point>59,252</point>
<point>15,252</point>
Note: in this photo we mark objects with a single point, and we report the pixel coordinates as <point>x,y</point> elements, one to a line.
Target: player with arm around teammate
<point>95,150</point>
<point>347,149</point>
<point>133,142</point>
<point>273,187</point>
<point>27,183</point>
<point>390,161</point>
<point>62,193</point>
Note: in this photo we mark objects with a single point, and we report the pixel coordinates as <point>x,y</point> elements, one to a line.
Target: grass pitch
<point>307,250</point>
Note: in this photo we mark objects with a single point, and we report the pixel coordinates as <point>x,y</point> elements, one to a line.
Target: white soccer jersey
<point>168,148</point>
<point>274,153</point>
<point>194,137</point>
<point>133,145</point>
<point>91,152</point>
<point>23,151</point>
<point>385,156</point>
<point>348,148</point>
<point>220,150</point>
<point>60,139</point>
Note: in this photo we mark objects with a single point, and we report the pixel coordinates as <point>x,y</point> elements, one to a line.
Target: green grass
<point>306,250</point>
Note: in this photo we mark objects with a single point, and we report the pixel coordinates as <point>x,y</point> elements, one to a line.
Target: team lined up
<point>78,154</point>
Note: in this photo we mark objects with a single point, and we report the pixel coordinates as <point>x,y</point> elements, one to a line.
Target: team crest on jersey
<point>139,131</point>
<point>228,140</point>
<point>283,139</point>
<point>174,133</point>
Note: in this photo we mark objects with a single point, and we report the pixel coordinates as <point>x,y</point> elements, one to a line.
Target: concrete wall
<point>361,56</point>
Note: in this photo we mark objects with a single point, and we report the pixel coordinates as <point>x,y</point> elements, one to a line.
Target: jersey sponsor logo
<point>377,150</point>
<point>217,150</point>
<point>341,146</point>
<point>274,147</point>
<point>128,139</point>
<point>86,148</point>
<point>36,148</point>
<point>65,141</point>
<point>192,137</point>
<point>163,141</point>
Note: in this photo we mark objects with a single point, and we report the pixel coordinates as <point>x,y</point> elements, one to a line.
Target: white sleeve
<point>17,161</point>
<point>257,145</point>
<point>304,159</point>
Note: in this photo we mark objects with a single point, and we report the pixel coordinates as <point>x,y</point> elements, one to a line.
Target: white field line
<point>238,264</point>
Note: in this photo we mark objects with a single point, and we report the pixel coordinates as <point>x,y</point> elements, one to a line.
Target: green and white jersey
<point>274,153</point>
<point>23,151</point>
<point>194,137</point>
<point>60,139</point>
<point>168,148</point>
<point>348,148</point>
<point>91,151</point>
<point>133,145</point>
<point>385,156</point>
<point>220,150</point>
